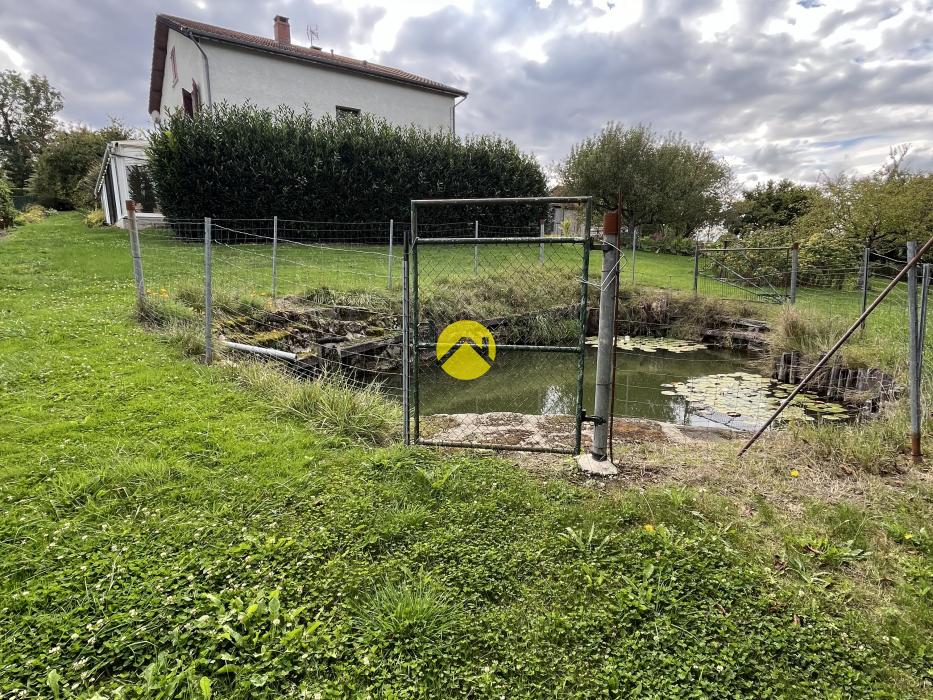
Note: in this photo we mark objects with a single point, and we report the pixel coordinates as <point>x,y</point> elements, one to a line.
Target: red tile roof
<point>312,55</point>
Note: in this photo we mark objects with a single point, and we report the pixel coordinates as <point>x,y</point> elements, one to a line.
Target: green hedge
<point>240,162</point>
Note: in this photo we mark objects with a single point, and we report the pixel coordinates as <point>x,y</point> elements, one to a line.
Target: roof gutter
<point>207,65</point>
<point>103,168</point>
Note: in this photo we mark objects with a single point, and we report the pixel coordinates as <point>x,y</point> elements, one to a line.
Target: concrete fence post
<point>208,296</point>
<point>476,247</point>
<point>794,259</point>
<point>913,354</point>
<point>275,247</point>
<point>605,352</point>
<point>391,234</point>
<point>137,255</point>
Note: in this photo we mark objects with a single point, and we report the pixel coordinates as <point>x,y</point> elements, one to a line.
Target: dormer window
<point>174,69</point>
<point>346,112</point>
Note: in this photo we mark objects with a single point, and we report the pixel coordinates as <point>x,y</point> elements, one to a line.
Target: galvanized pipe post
<point>137,256</point>
<point>414,324</point>
<point>794,257</point>
<point>208,298</point>
<point>584,293</point>
<point>696,267</point>
<point>605,352</point>
<point>866,255</point>
<point>275,246</point>
<point>406,343</point>
<point>924,293</point>
<point>913,355</point>
<point>391,234</point>
<point>475,248</point>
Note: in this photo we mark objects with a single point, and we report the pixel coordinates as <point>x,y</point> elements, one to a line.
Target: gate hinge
<point>595,420</point>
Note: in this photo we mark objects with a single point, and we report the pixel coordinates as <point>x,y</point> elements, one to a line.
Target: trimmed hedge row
<point>242,162</point>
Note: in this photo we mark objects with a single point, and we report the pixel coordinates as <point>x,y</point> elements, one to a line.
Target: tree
<point>659,181</point>
<point>769,205</point>
<point>68,165</point>
<point>7,210</point>
<point>27,119</point>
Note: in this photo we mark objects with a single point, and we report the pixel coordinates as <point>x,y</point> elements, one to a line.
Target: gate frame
<point>411,346</point>
<point>748,289</point>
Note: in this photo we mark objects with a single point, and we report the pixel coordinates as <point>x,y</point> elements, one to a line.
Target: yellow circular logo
<point>465,350</point>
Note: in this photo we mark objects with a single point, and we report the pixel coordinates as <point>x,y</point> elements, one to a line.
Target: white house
<point>196,64</point>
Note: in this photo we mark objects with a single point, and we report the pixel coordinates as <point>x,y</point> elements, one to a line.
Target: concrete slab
<point>590,465</point>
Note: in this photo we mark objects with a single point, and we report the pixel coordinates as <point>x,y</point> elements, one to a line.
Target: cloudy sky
<point>788,88</point>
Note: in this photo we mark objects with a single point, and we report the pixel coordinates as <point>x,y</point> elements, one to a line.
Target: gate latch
<point>595,420</point>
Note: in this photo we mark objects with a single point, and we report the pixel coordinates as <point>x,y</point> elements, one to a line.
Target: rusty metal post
<point>794,257</point>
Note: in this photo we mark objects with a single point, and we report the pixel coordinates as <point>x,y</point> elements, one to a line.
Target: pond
<point>693,385</point>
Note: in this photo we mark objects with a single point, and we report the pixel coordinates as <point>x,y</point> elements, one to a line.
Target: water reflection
<point>723,388</point>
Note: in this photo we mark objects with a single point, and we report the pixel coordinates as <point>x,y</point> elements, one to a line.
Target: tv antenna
<point>313,34</point>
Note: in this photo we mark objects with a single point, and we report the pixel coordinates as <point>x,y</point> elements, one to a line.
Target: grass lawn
<point>166,533</point>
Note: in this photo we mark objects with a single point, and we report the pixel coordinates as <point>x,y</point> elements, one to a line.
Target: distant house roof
<point>313,55</point>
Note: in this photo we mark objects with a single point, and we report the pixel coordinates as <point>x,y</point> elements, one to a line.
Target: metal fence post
<point>794,256</point>
<point>391,233</point>
<point>208,300</point>
<point>414,323</point>
<point>922,333</point>
<point>137,256</point>
<point>476,247</point>
<point>866,255</point>
<point>275,246</point>
<point>913,355</point>
<point>406,342</point>
<point>584,294</point>
<point>696,267</point>
<point>541,246</point>
<point>608,288</point>
<point>634,239</point>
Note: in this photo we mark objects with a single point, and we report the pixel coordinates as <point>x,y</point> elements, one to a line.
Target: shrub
<point>33,214</point>
<point>7,210</point>
<point>94,218</point>
<point>243,162</point>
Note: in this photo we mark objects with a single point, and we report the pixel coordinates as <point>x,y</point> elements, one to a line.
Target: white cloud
<point>13,58</point>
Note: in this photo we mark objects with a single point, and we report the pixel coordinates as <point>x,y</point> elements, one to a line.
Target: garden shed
<point>124,175</point>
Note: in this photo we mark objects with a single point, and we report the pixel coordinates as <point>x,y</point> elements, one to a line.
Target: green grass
<point>169,532</point>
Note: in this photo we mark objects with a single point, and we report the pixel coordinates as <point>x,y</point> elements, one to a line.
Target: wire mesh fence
<point>325,299</point>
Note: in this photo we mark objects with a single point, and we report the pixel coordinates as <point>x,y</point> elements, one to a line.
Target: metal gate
<point>764,274</point>
<point>486,317</point>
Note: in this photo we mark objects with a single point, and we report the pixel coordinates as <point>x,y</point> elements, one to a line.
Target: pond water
<point>694,386</point>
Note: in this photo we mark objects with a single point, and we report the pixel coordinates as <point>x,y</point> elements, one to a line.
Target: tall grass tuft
<point>330,402</point>
<point>412,610</point>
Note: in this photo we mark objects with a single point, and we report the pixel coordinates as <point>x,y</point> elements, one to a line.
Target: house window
<point>345,112</point>
<point>187,102</point>
<point>174,69</point>
<point>142,189</point>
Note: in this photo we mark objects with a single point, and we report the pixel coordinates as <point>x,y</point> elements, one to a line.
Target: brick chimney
<point>282,31</point>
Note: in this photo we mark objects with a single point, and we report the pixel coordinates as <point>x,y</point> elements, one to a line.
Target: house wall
<point>190,66</point>
<point>269,81</point>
